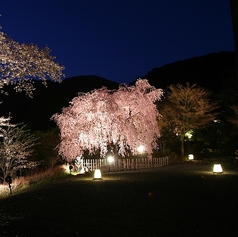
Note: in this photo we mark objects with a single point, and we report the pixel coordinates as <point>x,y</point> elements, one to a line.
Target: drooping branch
<point>125,117</point>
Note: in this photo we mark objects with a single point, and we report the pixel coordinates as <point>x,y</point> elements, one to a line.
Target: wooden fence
<point>124,164</point>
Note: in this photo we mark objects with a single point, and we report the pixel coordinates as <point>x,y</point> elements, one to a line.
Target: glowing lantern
<point>97,174</point>
<point>190,157</point>
<point>217,168</point>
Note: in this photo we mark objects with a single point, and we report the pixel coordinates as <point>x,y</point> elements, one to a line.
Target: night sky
<point>120,40</point>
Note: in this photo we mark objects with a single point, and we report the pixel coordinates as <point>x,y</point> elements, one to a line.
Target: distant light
<point>189,134</point>
<point>217,168</point>
<point>141,149</point>
<point>190,157</point>
<point>97,174</point>
<point>110,159</point>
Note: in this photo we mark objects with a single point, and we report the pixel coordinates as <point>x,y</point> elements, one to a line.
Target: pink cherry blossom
<point>125,117</point>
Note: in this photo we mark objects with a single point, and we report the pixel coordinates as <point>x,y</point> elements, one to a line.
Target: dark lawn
<point>178,200</point>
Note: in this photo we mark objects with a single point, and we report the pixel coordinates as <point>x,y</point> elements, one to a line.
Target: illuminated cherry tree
<point>16,145</point>
<point>22,63</point>
<point>125,117</point>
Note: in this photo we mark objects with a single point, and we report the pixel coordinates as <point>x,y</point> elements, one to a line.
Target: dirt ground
<point>176,200</point>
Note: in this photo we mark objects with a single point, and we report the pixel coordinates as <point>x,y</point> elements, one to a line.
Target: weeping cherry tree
<point>125,118</point>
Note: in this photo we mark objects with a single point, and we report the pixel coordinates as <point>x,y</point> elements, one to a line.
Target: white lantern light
<point>217,168</point>
<point>190,157</point>
<point>97,174</point>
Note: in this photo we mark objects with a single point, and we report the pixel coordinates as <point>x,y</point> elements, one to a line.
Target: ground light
<point>97,174</point>
<point>217,168</point>
<point>190,157</point>
<point>141,149</point>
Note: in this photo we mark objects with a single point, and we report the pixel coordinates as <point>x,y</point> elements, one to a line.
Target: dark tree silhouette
<point>234,14</point>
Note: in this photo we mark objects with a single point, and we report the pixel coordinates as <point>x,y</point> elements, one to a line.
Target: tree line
<point>176,120</point>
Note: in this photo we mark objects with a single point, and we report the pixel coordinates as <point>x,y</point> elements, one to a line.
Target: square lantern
<point>190,157</point>
<point>217,168</point>
<point>97,174</point>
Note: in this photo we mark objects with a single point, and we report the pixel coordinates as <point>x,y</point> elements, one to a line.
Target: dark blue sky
<point>120,40</point>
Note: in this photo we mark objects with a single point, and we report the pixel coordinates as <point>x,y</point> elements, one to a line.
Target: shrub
<point>23,183</point>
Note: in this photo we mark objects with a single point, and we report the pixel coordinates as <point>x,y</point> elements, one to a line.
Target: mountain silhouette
<point>215,72</point>
<point>48,100</point>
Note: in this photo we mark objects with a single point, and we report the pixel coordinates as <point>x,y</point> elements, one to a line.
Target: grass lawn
<point>177,200</point>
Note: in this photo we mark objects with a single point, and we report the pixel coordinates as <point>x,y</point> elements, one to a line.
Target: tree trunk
<point>182,145</point>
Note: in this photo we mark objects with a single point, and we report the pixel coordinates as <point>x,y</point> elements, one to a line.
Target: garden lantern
<point>97,174</point>
<point>217,168</point>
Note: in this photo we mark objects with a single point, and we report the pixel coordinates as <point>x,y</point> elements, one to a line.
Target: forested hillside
<point>37,111</point>
<point>215,72</point>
